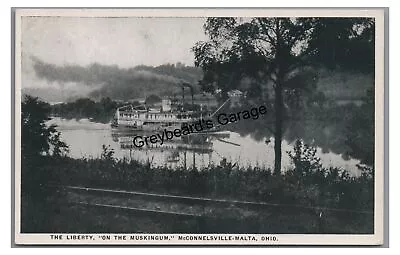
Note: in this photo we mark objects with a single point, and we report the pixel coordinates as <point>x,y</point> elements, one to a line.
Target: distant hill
<point>338,85</point>
<point>53,95</point>
<point>344,85</point>
<point>99,81</point>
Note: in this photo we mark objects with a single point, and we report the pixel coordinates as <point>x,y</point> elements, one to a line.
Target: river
<point>86,138</point>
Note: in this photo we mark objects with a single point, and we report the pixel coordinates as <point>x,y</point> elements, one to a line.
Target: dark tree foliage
<point>39,144</point>
<point>38,138</point>
<point>268,52</point>
<point>37,141</point>
<point>279,55</point>
<point>101,111</point>
<point>361,129</point>
<point>348,43</point>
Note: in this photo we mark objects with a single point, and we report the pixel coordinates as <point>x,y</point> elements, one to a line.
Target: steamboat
<point>152,119</point>
<point>165,117</point>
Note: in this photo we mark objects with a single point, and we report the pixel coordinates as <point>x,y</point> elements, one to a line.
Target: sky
<point>125,42</point>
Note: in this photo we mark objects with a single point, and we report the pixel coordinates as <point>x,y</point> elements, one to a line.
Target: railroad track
<point>138,210</point>
<point>186,206</point>
<point>151,203</point>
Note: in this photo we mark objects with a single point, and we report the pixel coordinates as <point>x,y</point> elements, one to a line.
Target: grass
<point>308,184</point>
<point>67,218</point>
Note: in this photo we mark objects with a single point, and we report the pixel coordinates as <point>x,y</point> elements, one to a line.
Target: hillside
<point>98,81</point>
<point>344,85</point>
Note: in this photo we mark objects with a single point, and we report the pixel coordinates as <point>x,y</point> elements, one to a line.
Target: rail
<point>211,200</point>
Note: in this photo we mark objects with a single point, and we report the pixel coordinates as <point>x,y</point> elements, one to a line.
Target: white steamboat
<point>149,119</point>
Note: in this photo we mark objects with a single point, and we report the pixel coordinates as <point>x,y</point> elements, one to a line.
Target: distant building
<point>236,97</point>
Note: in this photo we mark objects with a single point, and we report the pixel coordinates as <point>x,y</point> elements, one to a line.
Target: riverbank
<point>307,184</point>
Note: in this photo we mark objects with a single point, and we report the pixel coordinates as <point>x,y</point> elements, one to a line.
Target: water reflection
<point>86,138</point>
<point>176,151</point>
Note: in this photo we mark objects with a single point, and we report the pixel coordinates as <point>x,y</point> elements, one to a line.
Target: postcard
<point>199,126</point>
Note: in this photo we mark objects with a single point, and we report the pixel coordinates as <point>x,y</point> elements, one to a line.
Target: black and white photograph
<point>196,126</point>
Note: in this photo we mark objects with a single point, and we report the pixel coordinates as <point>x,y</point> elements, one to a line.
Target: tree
<point>348,43</point>
<point>360,130</point>
<point>37,140</point>
<point>268,52</point>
